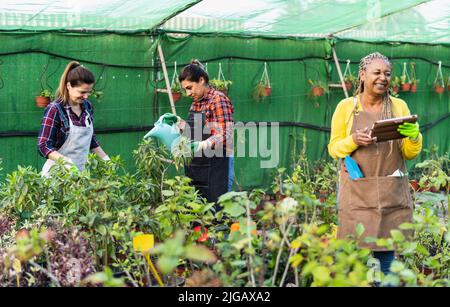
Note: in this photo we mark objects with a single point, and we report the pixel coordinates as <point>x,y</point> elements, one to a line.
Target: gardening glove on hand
<point>106,158</point>
<point>180,124</point>
<point>199,146</point>
<point>410,130</point>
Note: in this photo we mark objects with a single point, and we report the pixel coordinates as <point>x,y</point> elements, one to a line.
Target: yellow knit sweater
<point>341,142</point>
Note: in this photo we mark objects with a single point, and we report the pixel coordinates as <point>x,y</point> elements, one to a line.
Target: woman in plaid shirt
<point>67,125</point>
<point>210,126</point>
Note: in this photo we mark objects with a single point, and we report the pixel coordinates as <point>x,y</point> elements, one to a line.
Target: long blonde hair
<point>387,111</point>
<point>76,74</point>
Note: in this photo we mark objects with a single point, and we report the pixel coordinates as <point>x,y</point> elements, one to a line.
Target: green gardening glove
<point>409,130</point>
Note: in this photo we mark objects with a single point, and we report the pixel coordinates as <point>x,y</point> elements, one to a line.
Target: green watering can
<point>165,130</point>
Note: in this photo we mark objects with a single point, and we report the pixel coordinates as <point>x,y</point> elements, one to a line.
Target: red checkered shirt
<point>53,134</point>
<point>218,112</point>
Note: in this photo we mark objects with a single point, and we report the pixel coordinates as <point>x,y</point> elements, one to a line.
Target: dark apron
<point>209,174</point>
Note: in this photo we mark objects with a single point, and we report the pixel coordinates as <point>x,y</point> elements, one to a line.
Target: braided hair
<point>386,112</point>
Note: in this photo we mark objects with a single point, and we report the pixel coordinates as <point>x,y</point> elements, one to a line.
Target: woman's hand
<point>362,138</point>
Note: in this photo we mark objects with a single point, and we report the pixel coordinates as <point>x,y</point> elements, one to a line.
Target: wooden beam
<point>166,78</point>
<point>336,62</point>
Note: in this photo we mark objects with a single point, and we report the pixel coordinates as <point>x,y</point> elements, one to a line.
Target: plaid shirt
<point>53,134</point>
<point>218,117</point>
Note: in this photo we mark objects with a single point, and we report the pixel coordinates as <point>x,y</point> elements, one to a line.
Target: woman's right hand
<point>361,137</point>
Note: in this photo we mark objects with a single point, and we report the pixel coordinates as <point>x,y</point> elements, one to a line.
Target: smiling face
<point>376,77</point>
<point>79,93</point>
<point>195,90</point>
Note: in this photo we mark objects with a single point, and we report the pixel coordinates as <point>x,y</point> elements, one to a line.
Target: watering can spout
<point>151,133</point>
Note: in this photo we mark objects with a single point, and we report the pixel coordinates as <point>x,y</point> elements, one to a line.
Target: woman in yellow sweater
<point>378,201</point>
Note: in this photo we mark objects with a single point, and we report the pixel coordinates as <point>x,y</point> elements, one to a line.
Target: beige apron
<point>378,202</point>
<point>76,146</point>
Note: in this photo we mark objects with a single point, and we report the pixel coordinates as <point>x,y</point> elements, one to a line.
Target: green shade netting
<point>426,23</point>
<point>411,21</point>
<point>88,15</point>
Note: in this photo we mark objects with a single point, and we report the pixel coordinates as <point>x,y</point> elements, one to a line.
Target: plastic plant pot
<point>42,102</point>
<point>176,96</point>
<point>439,89</point>
<point>317,91</point>
<point>406,87</point>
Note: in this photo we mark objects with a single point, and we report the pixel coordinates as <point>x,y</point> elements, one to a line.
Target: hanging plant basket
<point>348,85</point>
<point>406,87</point>
<point>317,91</point>
<point>263,88</point>
<point>439,86</point>
<point>405,80</point>
<point>413,88</point>
<point>267,91</point>
<point>349,78</point>
<point>220,83</point>
<point>42,101</point>
<point>176,96</point>
<point>439,89</point>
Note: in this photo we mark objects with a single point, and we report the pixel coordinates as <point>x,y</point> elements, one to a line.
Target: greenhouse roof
<point>88,15</point>
<point>376,20</point>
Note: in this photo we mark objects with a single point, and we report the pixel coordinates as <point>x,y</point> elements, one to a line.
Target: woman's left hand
<point>410,130</point>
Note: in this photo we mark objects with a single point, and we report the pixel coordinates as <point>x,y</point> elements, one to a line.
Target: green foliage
<point>46,93</point>
<point>220,84</point>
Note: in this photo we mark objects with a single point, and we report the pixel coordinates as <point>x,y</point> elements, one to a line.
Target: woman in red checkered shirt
<point>210,127</point>
<point>67,130</point>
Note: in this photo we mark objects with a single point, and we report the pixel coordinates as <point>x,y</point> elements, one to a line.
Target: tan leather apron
<point>379,202</point>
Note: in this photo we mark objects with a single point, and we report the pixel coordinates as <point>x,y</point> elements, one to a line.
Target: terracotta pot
<point>267,92</point>
<point>439,89</point>
<point>413,88</point>
<point>176,96</point>
<point>317,91</point>
<point>395,89</point>
<point>406,87</point>
<point>42,102</point>
<point>348,85</point>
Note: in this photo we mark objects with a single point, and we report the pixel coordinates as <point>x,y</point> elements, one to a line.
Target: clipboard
<point>385,130</point>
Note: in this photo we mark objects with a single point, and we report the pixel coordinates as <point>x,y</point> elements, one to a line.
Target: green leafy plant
<point>221,85</point>
<point>46,93</point>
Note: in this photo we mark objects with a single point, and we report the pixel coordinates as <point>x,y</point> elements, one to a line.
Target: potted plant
<point>405,85</point>
<point>261,90</point>
<point>395,85</point>
<point>414,83</point>
<point>439,85</point>
<point>317,89</point>
<point>221,85</point>
<point>435,173</point>
<point>44,98</point>
<point>176,91</point>
<point>349,81</point>
<point>438,88</point>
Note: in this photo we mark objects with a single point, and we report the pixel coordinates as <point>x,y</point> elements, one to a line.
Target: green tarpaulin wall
<point>128,72</point>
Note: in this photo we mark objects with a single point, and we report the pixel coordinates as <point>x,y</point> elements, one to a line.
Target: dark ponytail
<point>193,72</point>
<point>76,74</point>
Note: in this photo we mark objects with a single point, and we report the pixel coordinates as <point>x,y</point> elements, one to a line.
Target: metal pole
<point>166,78</point>
<point>336,62</point>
